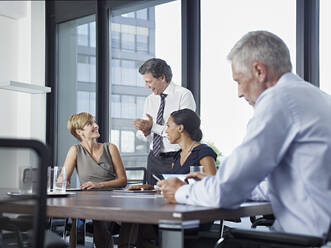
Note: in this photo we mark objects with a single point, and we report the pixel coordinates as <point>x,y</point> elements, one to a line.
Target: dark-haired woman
<point>184,129</point>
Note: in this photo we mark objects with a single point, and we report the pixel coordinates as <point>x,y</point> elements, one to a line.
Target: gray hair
<point>263,47</point>
<point>158,68</point>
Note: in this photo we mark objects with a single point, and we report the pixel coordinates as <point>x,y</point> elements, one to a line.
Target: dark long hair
<point>191,122</point>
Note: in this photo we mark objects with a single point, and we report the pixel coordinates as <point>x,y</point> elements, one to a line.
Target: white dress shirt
<point>288,142</point>
<point>177,98</point>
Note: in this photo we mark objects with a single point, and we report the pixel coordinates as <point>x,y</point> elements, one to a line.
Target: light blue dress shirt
<point>288,143</point>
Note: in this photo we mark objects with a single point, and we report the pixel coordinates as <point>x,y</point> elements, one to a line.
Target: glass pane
<point>128,107</point>
<point>83,68</point>
<point>116,106</point>
<point>127,141</point>
<point>82,35</point>
<point>128,37</point>
<point>140,106</point>
<point>92,67</point>
<point>140,81</point>
<point>223,115</point>
<point>115,137</point>
<point>92,35</point>
<point>142,14</point>
<point>325,41</point>
<point>76,78</point>
<point>128,72</point>
<point>116,71</point>
<point>142,39</point>
<point>136,37</point>
<point>116,35</point>
<point>128,15</point>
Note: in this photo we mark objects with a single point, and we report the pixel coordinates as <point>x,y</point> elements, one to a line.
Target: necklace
<point>188,152</point>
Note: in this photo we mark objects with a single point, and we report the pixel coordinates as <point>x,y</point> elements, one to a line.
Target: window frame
<point>307,34</point>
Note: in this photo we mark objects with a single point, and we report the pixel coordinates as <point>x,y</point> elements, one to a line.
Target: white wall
<point>22,58</point>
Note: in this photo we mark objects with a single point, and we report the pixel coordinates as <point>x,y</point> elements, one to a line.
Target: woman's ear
<point>181,128</point>
<point>78,132</point>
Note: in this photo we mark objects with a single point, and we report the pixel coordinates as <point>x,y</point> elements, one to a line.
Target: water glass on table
<point>56,179</point>
<point>196,169</point>
<point>28,180</point>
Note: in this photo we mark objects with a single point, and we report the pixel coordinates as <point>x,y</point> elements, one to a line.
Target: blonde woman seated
<point>183,128</point>
<point>98,165</point>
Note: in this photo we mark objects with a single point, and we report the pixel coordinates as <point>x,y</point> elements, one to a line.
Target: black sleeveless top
<point>197,153</point>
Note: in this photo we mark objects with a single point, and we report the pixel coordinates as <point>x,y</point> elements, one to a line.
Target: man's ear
<point>163,78</point>
<point>260,71</point>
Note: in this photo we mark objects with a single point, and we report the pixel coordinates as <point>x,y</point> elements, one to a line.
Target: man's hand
<point>91,185</point>
<point>169,188</point>
<point>197,175</point>
<point>144,125</point>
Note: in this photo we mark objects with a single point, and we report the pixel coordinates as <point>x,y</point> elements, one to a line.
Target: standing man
<point>166,98</point>
<point>288,142</point>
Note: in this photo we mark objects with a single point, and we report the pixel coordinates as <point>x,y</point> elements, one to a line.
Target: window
<point>142,14</point>
<point>128,15</point>
<point>325,50</point>
<point>128,37</point>
<point>116,71</point>
<point>127,141</point>
<point>116,106</point>
<point>116,35</point>
<point>223,115</point>
<point>142,39</point>
<point>82,35</point>
<point>128,70</point>
<point>76,77</point>
<point>127,106</point>
<point>136,37</point>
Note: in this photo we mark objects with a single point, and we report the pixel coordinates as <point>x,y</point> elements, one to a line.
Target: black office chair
<point>266,220</point>
<point>24,226</point>
<point>248,238</point>
<point>135,175</point>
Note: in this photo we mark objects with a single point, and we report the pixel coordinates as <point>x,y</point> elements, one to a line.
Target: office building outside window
<point>76,88</point>
<point>135,37</point>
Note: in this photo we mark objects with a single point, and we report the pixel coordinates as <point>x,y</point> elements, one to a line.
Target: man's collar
<point>168,89</point>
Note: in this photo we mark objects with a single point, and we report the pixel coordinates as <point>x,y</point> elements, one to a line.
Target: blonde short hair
<point>78,121</point>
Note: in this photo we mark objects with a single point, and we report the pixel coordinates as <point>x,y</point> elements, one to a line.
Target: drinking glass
<point>56,179</point>
<point>196,169</point>
<point>28,180</point>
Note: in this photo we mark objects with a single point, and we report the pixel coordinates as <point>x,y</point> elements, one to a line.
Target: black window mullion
<point>191,48</point>
<point>307,43</point>
<point>50,79</point>
<point>102,68</point>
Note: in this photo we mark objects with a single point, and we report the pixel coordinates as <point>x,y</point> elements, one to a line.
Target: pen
<point>157,179</point>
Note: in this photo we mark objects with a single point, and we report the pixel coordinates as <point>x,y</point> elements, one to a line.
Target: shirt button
<point>186,196</point>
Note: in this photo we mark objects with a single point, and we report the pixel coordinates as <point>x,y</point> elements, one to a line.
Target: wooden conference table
<point>148,209</point>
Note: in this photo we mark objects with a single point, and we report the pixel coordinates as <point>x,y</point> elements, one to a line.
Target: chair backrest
<point>25,210</point>
<point>136,175</point>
